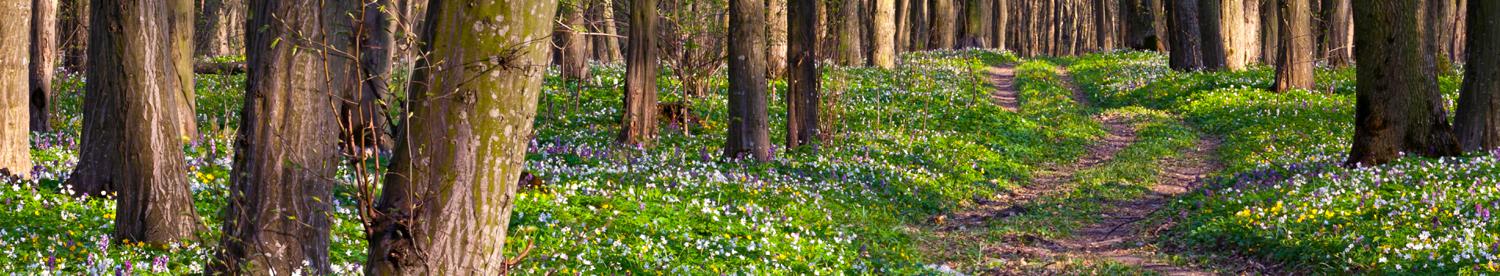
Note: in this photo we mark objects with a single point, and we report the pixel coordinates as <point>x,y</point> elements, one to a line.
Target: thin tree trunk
<point>638,127</point>
<point>1397,105</point>
<point>287,147</point>
<point>1294,65</point>
<point>15,142</point>
<point>802,80</point>
<point>1477,123</point>
<point>749,127</point>
<point>43,62</point>
<point>1186,39</point>
<point>903,26</point>
<point>447,199</point>
<point>920,30</point>
<point>131,114</point>
<point>776,39</point>
<point>884,53</point>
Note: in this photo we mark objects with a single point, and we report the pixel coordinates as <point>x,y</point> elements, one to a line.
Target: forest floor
<point>1117,236</point>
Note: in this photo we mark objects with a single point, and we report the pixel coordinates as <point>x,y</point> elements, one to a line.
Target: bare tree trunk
<point>1141,31</point>
<point>920,35</point>
<point>776,24</point>
<point>1270,35</point>
<point>802,80</point>
<point>1001,24</point>
<point>602,21</point>
<point>1242,27</point>
<point>1477,123</point>
<point>43,62</point>
<point>1340,44</point>
<point>132,143</point>
<point>182,20</point>
<point>1294,66</point>
<point>1210,22</point>
<point>215,27</point>
<point>638,127</point>
<point>943,22</point>
<point>884,53</point>
<point>849,50</point>
<point>903,26</point>
<point>362,111</point>
<point>15,141</point>
<point>1186,39</point>
<point>974,29</point>
<point>575,49</point>
<point>1440,22</point>
<point>749,127</point>
<point>1397,106</point>
<point>73,33</point>
<point>287,147</point>
<point>447,199</point>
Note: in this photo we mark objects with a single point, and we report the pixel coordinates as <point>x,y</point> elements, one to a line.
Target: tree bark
<point>902,19</point>
<point>943,28</point>
<point>920,30</point>
<point>362,114</point>
<point>182,20</point>
<point>749,127</point>
<point>575,49</point>
<point>802,80</point>
<point>1270,35</point>
<point>1141,27</point>
<point>1477,123</point>
<point>286,150</point>
<point>849,50</point>
<point>1340,44</point>
<point>1210,23</point>
<point>884,44</point>
<point>131,142</point>
<point>974,29</point>
<point>776,39</point>
<point>1397,105</point>
<point>1440,23</point>
<point>216,27</point>
<point>447,199</point>
<point>998,32</point>
<point>1186,39</point>
<point>15,140</point>
<point>602,20</point>
<point>43,62</point>
<point>1294,65</point>
<point>638,127</point>
<point>73,33</point>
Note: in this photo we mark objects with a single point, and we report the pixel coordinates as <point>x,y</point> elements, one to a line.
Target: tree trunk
<point>802,80</point>
<point>943,22</point>
<point>884,53</point>
<point>362,113</point>
<point>638,127</point>
<point>902,26</point>
<point>749,127</point>
<point>447,199</point>
<point>43,61</point>
<point>1185,54</point>
<point>920,30</point>
<point>575,49</point>
<point>1002,24</point>
<point>1141,31</point>
<point>1240,21</point>
<point>131,114</point>
<point>776,39</point>
<point>1210,23</point>
<point>1270,35</point>
<point>73,33</point>
<point>1340,44</point>
<point>849,52</point>
<point>1440,17</point>
<point>15,140</point>
<point>216,27</point>
<point>602,20</point>
<point>1397,104</point>
<point>1478,120</point>
<point>1294,63</point>
<point>287,147</point>
<point>182,20</point>
<point>974,29</point>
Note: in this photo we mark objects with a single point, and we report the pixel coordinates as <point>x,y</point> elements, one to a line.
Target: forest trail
<point>1121,237</point>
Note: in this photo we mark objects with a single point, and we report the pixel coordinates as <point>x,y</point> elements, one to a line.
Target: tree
<point>575,46</point>
<point>1441,15</point>
<point>1270,32</point>
<point>849,50</point>
<point>638,127</point>
<point>1140,24</point>
<point>73,33</point>
<point>942,20</point>
<point>884,53</point>
<point>362,113</point>
<point>1185,54</point>
<point>1294,62</point>
<point>447,199</point>
<point>286,151</point>
<point>1231,33</point>
<point>15,38</point>
<point>1212,29</point>
<point>182,19</point>
<point>920,30</point>
<point>602,20</point>
<point>776,39</point>
<point>1339,46</point>
<point>43,61</point>
<point>131,142</point>
<point>749,128</point>
<point>1397,104</point>
<point>975,32</point>
<point>1477,123</point>
<point>218,28</point>
<point>802,79</point>
<point>1001,12</point>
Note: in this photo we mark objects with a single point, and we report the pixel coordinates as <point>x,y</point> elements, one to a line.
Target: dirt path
<point>1120,237</point>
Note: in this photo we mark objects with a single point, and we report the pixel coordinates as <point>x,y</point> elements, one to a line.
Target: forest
<point>749,137</point>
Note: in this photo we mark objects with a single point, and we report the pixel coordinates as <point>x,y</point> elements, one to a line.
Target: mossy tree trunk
<point>132,143</point>
<point>802,79</point>
<point>849,51</point>
<point>638,127</point>
<point>749,126</point>
<point>15,38</point>
<point>447,198</point>
<point>287,147</point>
<point>1397,104</point>
<point>1478,120</point>
<point>1294,64</point>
